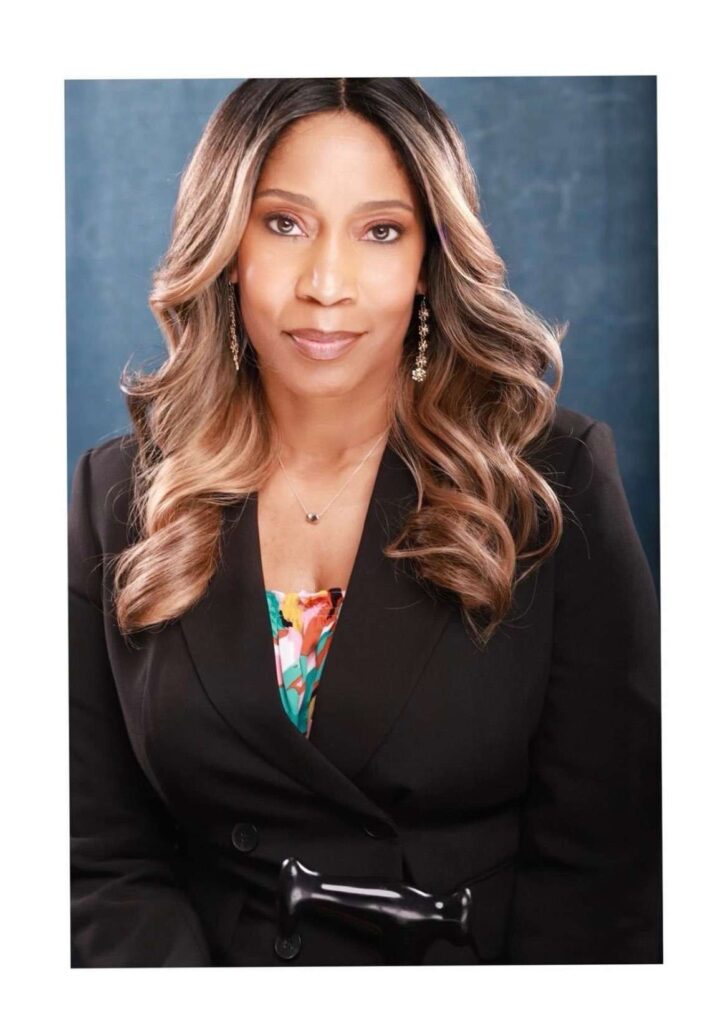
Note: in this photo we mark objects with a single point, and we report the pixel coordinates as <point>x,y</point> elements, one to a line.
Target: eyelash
<point>380,241</point>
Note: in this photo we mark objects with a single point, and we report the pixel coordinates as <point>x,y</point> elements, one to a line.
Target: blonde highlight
<point>485,517</point>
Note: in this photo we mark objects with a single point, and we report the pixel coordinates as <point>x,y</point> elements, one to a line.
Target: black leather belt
<point>407,919</point>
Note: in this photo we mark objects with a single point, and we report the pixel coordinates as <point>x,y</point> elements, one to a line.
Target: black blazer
<point>529,771</point>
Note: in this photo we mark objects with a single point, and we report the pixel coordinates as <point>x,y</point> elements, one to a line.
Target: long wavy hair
<point>484,516</point>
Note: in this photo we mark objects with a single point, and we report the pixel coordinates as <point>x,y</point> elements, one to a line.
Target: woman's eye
<point>379,228</point>
<point>287,222</point>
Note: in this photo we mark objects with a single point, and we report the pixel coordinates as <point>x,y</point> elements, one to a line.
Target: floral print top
<point>302,624</point>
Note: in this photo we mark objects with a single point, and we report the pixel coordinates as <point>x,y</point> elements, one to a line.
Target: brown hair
<point>204,432</point>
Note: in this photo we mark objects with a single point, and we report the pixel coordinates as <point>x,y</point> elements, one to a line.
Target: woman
<point>351,459</point>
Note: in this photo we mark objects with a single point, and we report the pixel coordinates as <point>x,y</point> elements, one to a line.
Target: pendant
<point>312,517</point>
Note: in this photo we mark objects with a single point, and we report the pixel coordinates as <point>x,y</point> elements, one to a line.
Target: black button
<point>245,837</point>
<point>378,829</point>
<point>288,948</point>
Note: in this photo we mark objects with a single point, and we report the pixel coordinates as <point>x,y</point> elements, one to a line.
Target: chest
<point>298,555</point>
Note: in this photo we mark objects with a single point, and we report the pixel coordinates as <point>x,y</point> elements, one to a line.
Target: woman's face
<point>335,243</point>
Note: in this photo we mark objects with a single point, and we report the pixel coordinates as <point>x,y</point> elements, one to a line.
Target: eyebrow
<point>297,197</point>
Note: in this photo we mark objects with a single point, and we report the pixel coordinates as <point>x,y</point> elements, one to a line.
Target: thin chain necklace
<point>314,517</point>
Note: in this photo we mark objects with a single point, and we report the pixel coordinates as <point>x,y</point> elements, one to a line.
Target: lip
<point>322,344</point>
<point>309,334</point>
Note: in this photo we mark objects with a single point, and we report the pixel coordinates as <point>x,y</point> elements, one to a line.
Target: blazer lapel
<point>387,627</point>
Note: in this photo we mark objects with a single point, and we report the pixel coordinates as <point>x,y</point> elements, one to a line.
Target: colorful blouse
<point>302,624</point>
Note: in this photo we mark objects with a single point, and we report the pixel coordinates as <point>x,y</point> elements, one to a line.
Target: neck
<point>325,436</point>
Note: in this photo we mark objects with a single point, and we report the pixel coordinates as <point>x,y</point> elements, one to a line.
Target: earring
<point>234,343</point>
<point>420,369</point>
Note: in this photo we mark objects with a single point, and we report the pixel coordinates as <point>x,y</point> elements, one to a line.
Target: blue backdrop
<point>567,172</point>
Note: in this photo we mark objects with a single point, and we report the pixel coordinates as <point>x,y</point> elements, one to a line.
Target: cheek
<point>388,288</point>
<point>263,287</point>
<point>390,304</point>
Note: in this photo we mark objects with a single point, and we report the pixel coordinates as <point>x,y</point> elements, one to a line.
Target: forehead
<point>336,149</point>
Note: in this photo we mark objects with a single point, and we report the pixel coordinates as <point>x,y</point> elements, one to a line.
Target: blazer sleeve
<point>588,884</point>
<point>127,909</point>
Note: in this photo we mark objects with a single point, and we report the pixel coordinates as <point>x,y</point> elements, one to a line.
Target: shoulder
<point>604,585</point>
<point>577,457</point>
<point>110,461</point>
<point>570,423</point>
<point>566,428</point>
<point>560,446</point>
<point>102,489</point>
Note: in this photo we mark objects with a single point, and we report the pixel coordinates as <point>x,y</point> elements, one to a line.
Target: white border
<point>164,40</point>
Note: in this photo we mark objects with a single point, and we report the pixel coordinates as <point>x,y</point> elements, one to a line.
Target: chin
<point>329,385</point>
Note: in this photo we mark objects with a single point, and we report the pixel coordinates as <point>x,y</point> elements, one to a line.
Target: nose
<point>328,274</point>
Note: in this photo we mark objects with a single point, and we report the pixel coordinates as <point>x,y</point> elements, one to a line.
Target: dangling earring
<point>234,343</point>
<point>420,369</point>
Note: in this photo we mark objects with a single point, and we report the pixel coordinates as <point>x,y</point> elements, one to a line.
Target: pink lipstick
<point>321,344</point>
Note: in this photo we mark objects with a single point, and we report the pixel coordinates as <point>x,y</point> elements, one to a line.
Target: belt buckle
<point>408,918</point>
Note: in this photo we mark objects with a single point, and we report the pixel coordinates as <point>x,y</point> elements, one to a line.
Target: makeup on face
<point>316,344</point>
<point>332,256</point>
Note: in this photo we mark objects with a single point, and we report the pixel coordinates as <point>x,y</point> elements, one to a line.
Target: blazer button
<point>245,837</point>
<point>378,829</point>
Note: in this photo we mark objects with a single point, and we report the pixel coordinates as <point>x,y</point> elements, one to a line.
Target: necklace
<point>314,517</point>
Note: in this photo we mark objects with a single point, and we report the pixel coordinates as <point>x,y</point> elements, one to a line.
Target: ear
<point>233,274</point>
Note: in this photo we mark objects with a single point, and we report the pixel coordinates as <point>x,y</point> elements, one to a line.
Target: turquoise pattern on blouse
<point>302,624</point>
